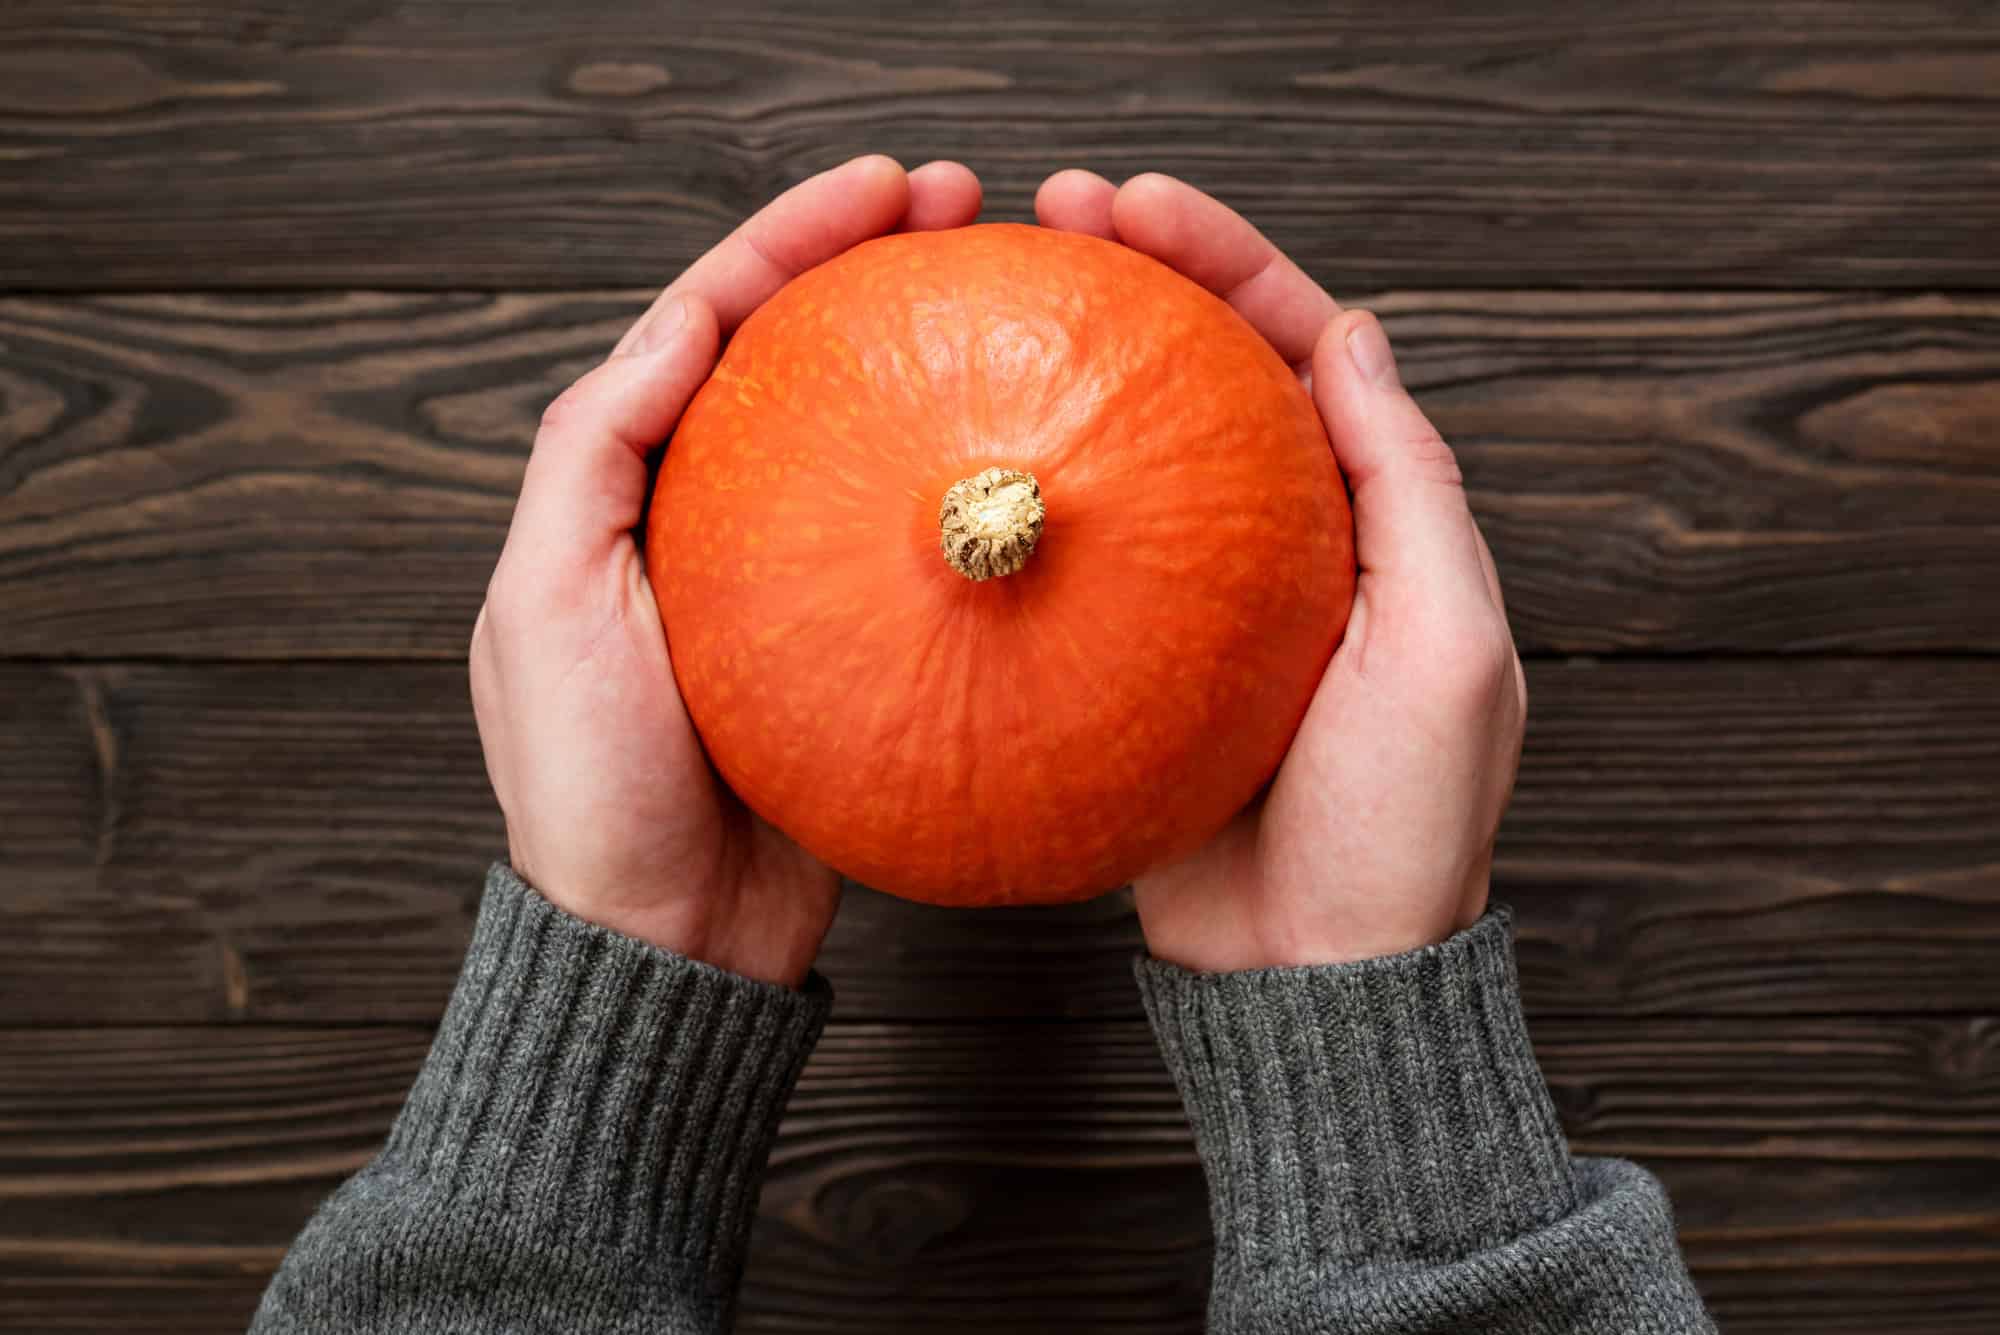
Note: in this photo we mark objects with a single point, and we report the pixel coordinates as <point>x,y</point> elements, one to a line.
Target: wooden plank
<point>1709,472</point>
<point>1020,1176</point>
<point>198,1291</point>
<point>333,475</point>
<point>406,144</point>
<point>327,475</point>
<point>305,843</point>
<point>1945,1299</point>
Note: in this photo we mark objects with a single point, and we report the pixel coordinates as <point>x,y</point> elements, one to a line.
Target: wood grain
<point>305,843</point>
<point>1013,1177</point>
<point>424,143</point>
<point>268,477</point>
<point>332,475</point>
<point>1708,472</point>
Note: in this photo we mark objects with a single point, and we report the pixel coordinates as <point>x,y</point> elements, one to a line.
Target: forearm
<point>581,1151</point>
<point>1383,1156</point>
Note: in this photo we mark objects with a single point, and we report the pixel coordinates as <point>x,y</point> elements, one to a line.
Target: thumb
<point>585,486</point>
<point>1412,526</point>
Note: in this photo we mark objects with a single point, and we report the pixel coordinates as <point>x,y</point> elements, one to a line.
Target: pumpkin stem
<point>989,522</point>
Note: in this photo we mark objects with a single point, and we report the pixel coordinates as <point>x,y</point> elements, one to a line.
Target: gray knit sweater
<point>582,1150</point>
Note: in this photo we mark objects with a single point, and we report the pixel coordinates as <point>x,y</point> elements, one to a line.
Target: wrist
<point>767,948</point>
<point>765,932</point>
<point>1214,927</point>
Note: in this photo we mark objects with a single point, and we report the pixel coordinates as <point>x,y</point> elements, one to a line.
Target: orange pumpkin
<point>999,564</point>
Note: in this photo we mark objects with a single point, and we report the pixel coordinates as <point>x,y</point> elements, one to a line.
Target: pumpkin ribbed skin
<point>1043,735</point>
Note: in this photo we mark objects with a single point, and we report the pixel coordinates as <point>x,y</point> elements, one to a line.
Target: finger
<point>807,225</point>
<point>942,195</point>
<point>585,486</point>
<point>1411,523</point>
<point>1217,247</point>
<point>1077,201</point>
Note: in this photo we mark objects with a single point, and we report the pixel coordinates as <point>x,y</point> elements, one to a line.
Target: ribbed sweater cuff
<point>590,1090</point>
<point>1359,1113</point>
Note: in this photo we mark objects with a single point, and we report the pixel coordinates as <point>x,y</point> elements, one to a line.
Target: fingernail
<point>1369,348</point>
<point>659,329</point>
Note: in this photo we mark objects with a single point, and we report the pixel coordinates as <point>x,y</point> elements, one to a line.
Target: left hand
<point>613,813</point>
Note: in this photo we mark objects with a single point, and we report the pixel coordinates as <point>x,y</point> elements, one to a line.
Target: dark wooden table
<point>1704,293</point>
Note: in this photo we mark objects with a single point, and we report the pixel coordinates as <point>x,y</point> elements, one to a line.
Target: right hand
<point>1377,835</point>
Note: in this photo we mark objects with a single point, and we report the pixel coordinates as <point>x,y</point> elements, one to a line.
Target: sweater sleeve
<point>1383,1156</point>
<point>581,1151</point>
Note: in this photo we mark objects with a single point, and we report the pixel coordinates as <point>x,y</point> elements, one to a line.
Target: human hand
<point>1377,834</point>
<point>612,810</point>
